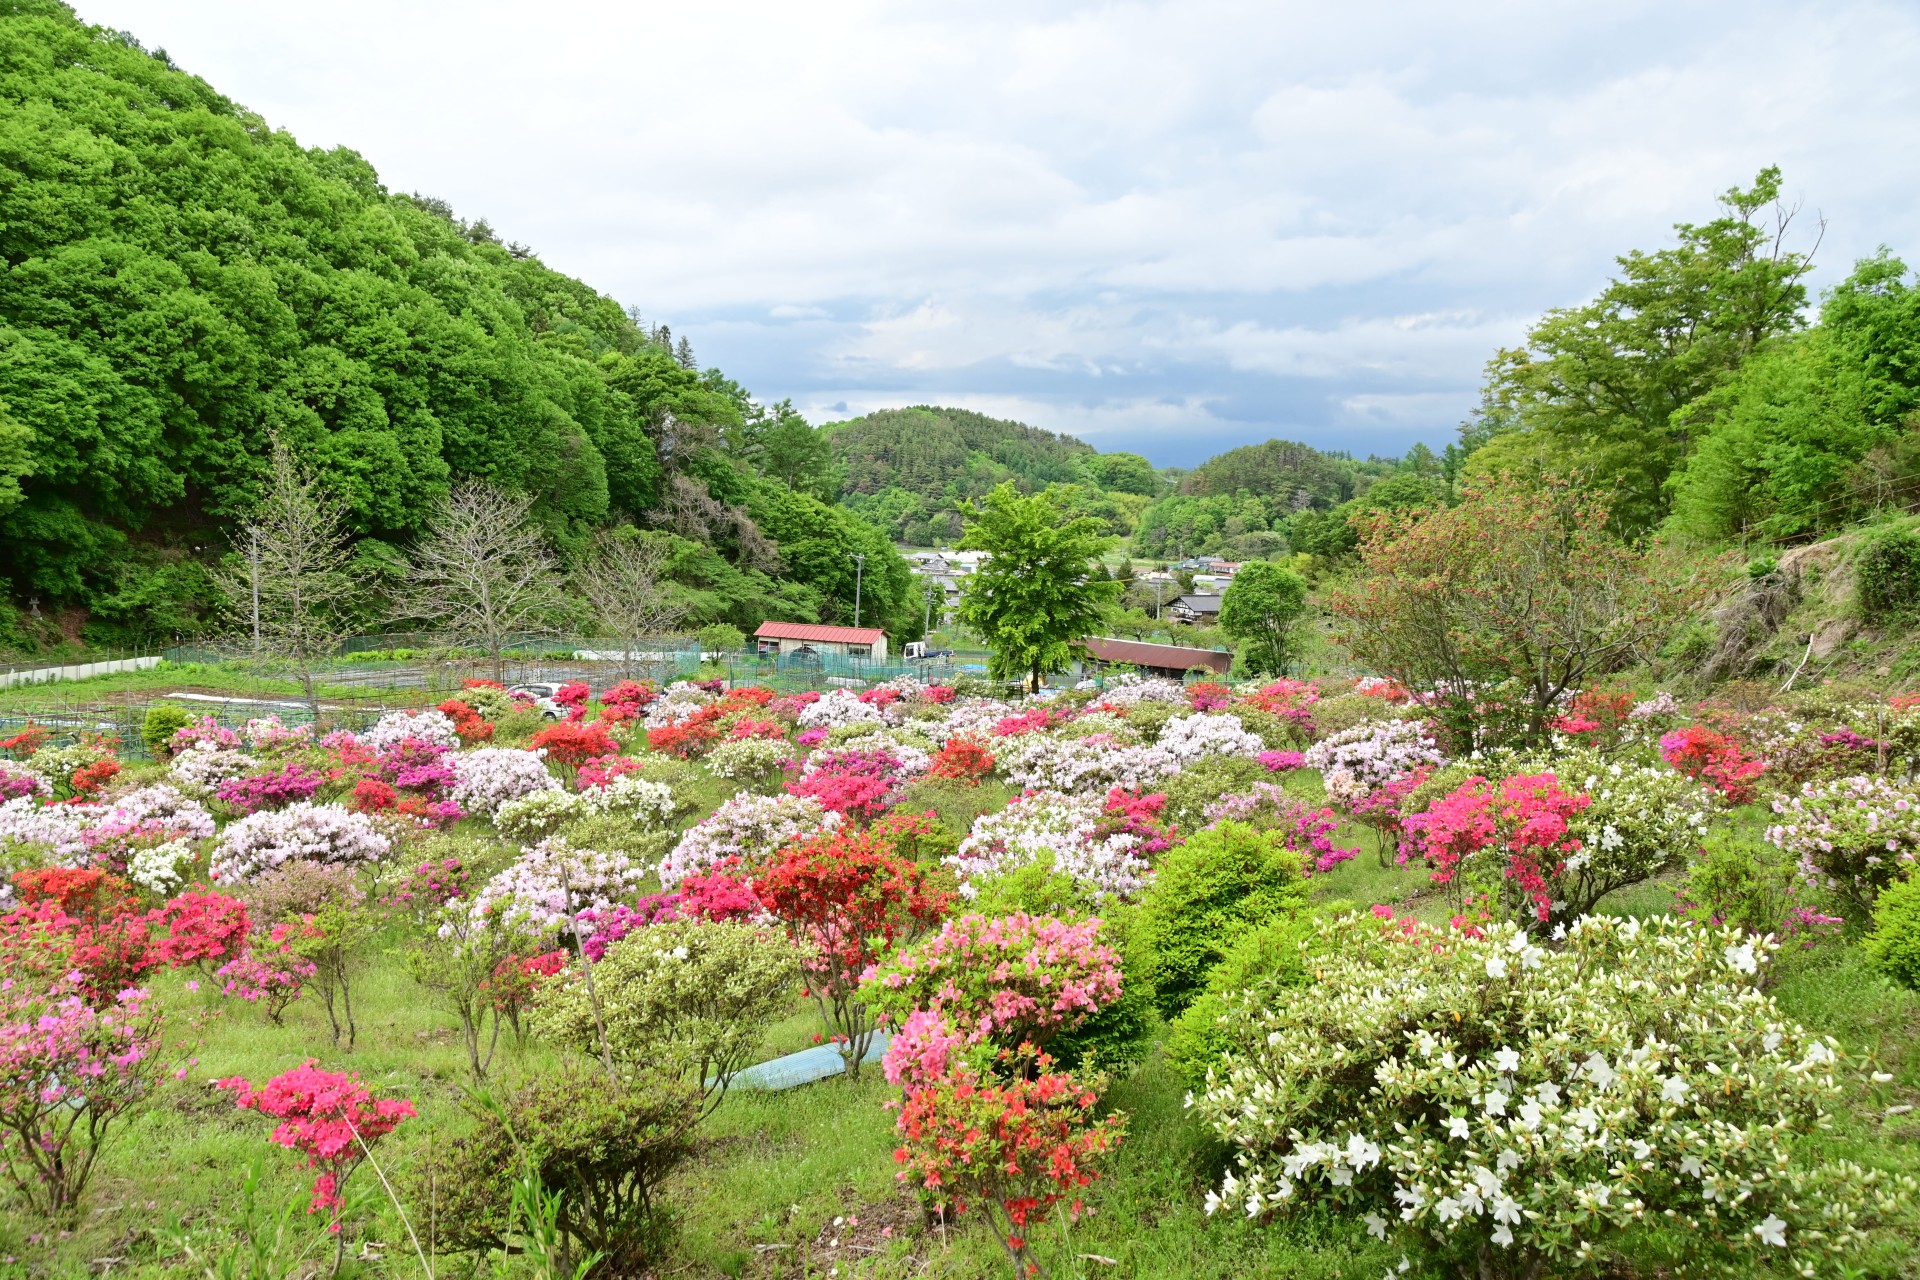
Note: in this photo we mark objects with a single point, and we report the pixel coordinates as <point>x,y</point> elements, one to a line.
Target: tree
<point>624,581</point>
<point>785,447</point>
<point>292,596</point>
<point>1522,582</point>
<point>1262,609</point>
<point>1036,596</point>
<point>16,457</point>
<point>1609,379</point>
<point>483,571</point>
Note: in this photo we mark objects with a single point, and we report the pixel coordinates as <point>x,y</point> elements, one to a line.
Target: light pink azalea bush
<point>1066,828</point>
<point>303,832</point>
<point>748,827</point>
<point>491,776</point>
<point>1007,980</point>
<point>1851,836</point>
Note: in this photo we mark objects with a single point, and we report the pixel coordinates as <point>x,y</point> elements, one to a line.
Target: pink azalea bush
<point>1307,829</point>
<point>329,1118</point>
<point>1008,980</point>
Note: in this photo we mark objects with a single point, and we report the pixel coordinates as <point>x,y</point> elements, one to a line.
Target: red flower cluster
<point>601,770</point>
<point>627,699</point>
<point>469,724</point>
<point>690,738</point>
<point>574,693</point>
<point>771,730</point>
<point>327,1116</point>
<point>27,741</point>
<point>572,744</point>
<point>83,892</point>
<point>89,778</point>
<point>1714,760</point>
<point>963,759</point>
<point>200,928</point>
<point>1037,719</point>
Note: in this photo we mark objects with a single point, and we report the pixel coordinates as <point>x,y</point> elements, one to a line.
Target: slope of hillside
<point>181,280</point>
<point>911,470</point>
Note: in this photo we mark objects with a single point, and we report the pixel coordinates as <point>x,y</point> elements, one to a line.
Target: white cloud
<point>1198,218</point>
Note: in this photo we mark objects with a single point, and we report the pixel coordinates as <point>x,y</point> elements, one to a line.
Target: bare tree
<point>484,572</point>
<point>293,593</point>
<point>624,581</point>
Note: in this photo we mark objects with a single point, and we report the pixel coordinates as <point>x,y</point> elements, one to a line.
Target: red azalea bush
<point>329,1117</point>
<point>629,698</point>
<point>571,744</point>
<point>1291,700</point>
<point>962,759</point>
<point>1899,702</point>
<point>845,900</point>
<point>25,742</point>
<point>574,693</point>
<point>1135,814</point>
<point>1524,817</point>
<point>1596,715</point>
<point>85,892</point>
<point>472,727</point>
<point>89,778</point>
<point>1013,1147</point>
<point>198,928</point>
<point>686,740</point>
<point>1715,760</point>
<point>771,730</point>
<point>107,953</point>
<point>859,795</point>
<point>1208,695</point>
<point>939,694</point>
<point>720,894</point>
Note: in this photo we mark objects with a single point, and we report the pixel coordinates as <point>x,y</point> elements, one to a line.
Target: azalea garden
<point>1280,978</point>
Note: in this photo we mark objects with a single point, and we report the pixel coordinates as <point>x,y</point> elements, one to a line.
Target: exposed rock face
<point>1748,621</point>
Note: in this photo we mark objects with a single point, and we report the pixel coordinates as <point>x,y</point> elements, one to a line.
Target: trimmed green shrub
<point>1887,569</point>
<point>162,721</point>
<point>1190,791</point>
<point>1205,894</point>
<point>1266,957</point>
<point>1894,944</point>
<point>606,1147</point>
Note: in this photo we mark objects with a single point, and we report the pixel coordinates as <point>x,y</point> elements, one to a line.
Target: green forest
<point>183,283</point>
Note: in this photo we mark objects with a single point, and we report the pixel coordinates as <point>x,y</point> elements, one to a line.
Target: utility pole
<point>926,626</point>
<point>1159,585</point>
<point>859,572</point>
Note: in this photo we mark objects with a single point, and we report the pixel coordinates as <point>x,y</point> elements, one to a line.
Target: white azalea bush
<point>430,725</point>
<point>748,827</point>
<point>301,832</point>
<point>1196,737</point>
<point>1041,763</point>
<point>837,707</point>
<point>551,883</point>
<point>1503,1109</point>
<point>746,759</point>
<point>204,766</point>
<point>1065,828</point>
<point>1641,820</point>
<point>1354,762</point>
<point>491,776</point>
<point>638,800</point>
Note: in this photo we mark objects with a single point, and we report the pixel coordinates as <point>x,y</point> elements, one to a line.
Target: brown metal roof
<point>1140,654</point>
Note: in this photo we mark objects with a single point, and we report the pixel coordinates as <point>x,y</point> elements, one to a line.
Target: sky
<point>1171,228</point>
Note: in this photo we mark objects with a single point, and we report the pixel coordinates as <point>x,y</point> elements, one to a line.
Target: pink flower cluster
<point>274,790</point>
<point>327,1116</point>
<point>1306,830</point>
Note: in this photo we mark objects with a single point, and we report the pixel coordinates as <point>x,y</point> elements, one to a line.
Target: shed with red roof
<point>803,637</point>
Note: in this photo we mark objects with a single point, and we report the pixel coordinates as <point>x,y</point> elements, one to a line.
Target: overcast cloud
<point>1165,227</point>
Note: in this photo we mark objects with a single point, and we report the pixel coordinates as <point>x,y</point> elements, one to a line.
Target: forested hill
<point>910,470</point>
<point>182,280</point>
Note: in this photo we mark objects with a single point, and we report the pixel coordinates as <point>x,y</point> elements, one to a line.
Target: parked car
<point>542,694</point>
<point>917,651</point>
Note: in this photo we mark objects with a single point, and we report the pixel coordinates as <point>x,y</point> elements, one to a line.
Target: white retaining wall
<point>77,671</point>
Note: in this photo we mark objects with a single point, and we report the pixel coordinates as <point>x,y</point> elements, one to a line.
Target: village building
<point>1170,660</point>
<point>789,638</point>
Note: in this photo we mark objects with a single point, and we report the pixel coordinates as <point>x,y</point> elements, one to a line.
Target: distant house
<point>787,638</point>
<point>1170,660</point>
<point>1196,608</point>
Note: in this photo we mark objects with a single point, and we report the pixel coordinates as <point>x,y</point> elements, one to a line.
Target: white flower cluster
<point>749,827</point>
<point>161,868</point>
<point>422,726</point>
<point>302,831</point>
<point>1355,761</point>
<point>1191,738</point>
<point>972,718</point>
<point>1659,707</point>
<point>1642,819</point>
<point>203,766</point>
<point>72,831</point>
<point>62,828</point>
<point>744,759</point>
<point>270,736</point>
<point>634,798</point>
<point>164,807</point>
<point>675,703</point>
<point>1050,824</point>
<point>1041,763</point>
<point>551,883</point>
<point>538,814</point>
<point>1634,1075</point>
<point>837,707</point>
<point>488,778</point>
<point>1131,691</point>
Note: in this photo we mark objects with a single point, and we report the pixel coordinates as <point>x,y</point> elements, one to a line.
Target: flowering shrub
<point>1714,760</point>
<point>1010,980</point>
<point>26,742</point>
<point>97,955</point>
<point>1660,706</point>
<point>746,758</point>
<point>748,827</point>
<point>517,980</point>
<point>431,885</point>
<point>1301,827</point>
<point>161,868</point>
<point>838,707</point>
<point>17,781</point>
<point>1282,761</point>
<point>856,784</point>
<point>1041,763</point>
<point>436,727</point>
<point>599,930</point>
<point>686,740</point>
<point>1526,823</point>
<point>601,770</point>
<point>845,900</point>
<point>1140,816</point>
<point>539,814</point>
<point>276,790</point>
<point>484,780</point>
<point>468,723</point>
<point>572,694</point>
<point>1034,721</point>
<point>306,832</point>
<point>1506,1110</point>
<point>720,894</point>
<point>200,928</point>
<point>204,766</point>
<point>963,760</point>
<point>571,744</point>
<point>628,698</point>
<point>551,883</point>
<point>747,727</point>
<point>1355,761</point>
<point>1131,691</point>
<point>1852,836</point>
<point>328,1117</point>
<point>1063,827</point>
<point>1640,820</point>
<point>270,977</point>
<point>1751,886</point>
<point>689,997</point>
<point>70,1072</point>
<point>269,736</point>
<point>1012,1148</point>
<point>80,892</point>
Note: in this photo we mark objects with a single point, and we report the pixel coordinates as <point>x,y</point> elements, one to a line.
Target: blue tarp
<point>822,1062</point>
